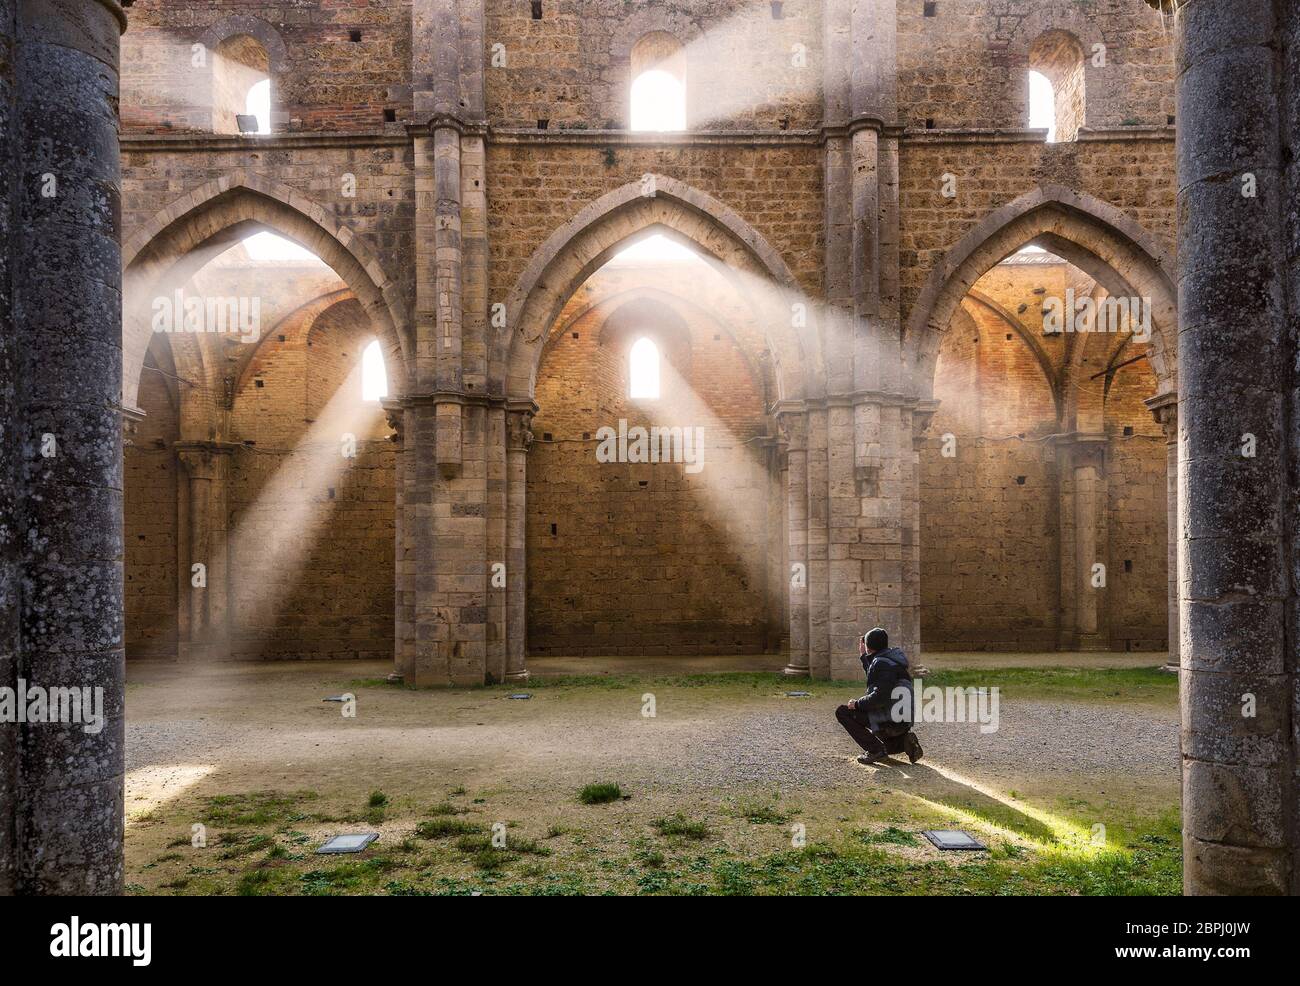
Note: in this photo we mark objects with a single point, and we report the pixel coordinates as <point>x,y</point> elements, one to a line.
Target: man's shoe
<point>867,759</point>
<point>912,746</point>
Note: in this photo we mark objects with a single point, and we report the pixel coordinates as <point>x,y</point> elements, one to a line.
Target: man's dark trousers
<point>854,722</point>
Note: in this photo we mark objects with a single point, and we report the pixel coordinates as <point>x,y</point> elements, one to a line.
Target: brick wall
<point>628,558</point>
<point>327,82</point>
<point>991,514</point>
<point>311,562</point>
<point>573,67</point>
<point>150,474</point>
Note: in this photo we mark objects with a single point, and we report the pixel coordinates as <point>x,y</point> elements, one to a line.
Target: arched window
<point>658,84</point>
<point>241,86</point>
<point>643,365</point>
<point>1056,85</point>
<point>374,381</point>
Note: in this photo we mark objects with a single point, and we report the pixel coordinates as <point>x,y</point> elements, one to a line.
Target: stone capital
<point>519,436</point>
<point>204,460</point>
<point>1164,408</point>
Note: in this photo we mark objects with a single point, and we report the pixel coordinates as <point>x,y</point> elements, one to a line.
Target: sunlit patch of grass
<point>445,828</point>
<point>892,835</point>
<point>680,826</point>
<point>600,794</point>
<point>447,808</point>
<point>760,812</point>
<point>255,808</point>
<point>1153,685</point>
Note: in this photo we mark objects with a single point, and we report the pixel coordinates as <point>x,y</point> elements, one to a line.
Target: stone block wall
<point>334,67</point>
<point>650,558</point>
<point>152,481</point>
<point>573,66</point>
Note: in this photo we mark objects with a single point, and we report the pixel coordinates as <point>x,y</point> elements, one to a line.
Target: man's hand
<point>862,647</point>
<point>853,703</point>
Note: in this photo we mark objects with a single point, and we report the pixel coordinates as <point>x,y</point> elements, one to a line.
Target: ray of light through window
<point>1042,105</point>
<point>258,104</point>
<point>658,102</point>
<point>374,380</point>
<point>644,365</point>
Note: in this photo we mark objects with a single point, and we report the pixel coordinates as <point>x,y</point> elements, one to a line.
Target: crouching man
<point>881,720</point>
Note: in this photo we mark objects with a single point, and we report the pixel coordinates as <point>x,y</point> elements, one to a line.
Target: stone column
<point>61,805</point>
<point>793,427</point>
<point>207,464</point>
<point>518,442</point>
<point>1165,410</point>
<point>403,590</point>
<point>1081,475</point>
<point>1239,448</point>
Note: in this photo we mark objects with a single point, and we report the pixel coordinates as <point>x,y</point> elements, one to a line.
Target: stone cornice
<point>461,397</point>
<point>140,143</point>
<point>993,136</point>
<point>146,143</point>
<point>853,399</point>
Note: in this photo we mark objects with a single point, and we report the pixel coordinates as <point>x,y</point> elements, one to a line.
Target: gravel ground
<point>250,727</point>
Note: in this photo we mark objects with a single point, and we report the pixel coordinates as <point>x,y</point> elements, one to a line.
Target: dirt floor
<point>237,773</point>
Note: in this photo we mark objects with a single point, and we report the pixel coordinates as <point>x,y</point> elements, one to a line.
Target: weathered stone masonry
<point>61,811</point>
<point>826,189</point>
<point>471,185</point>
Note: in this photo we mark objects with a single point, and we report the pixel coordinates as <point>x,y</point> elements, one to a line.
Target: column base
<point>794,671</point>
<point>516,676</point>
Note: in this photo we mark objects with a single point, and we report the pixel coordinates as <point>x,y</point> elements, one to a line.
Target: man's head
<point>876,639</point>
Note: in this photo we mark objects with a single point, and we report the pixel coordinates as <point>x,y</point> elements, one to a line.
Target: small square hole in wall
<point>1169,120</point>
<point>390,116</point>
<point>354,36</point>
<point>931,8</point>
<point>259,383</point>
<point>1020,480</point>
<point>543,123</point>
<point>552,530</point>
<point>1128,431</point>
<point>929,123</point>
<point>717,337</point>
<point>1008,337</point>
<point>1128,564</point>
<point>586,436</point>
<point>575,335</point>
<point>537,10</point>
<point>281,338</point>
<point>331,492</point>
<point>778,10</point>
<point>643,483</point>
<point>546,436</point>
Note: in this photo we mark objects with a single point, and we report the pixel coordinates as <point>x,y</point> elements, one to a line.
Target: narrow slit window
<point>644,370</point>
<point>374,379</point>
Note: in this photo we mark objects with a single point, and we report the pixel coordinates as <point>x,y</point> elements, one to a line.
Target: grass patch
<point>892,835</point>
<point>758,812</point>
<point>679,826</point>
<point>600,794</point>
<point>255,808</point>
<point>1150,686</point>
<point>445,828</point>
<point>447,808</point>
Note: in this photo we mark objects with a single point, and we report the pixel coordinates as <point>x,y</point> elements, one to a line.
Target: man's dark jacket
<point>887,671</point>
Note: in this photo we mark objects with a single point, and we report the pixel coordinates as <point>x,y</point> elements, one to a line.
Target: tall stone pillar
<point>207,466</point>
<point>1239,448</point>
<point>455,436</point>
<point>61,805</point>
<point>1165,410</point>
<point>520,437</point>
<point>1081,475</point>
<point>793,427</point>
